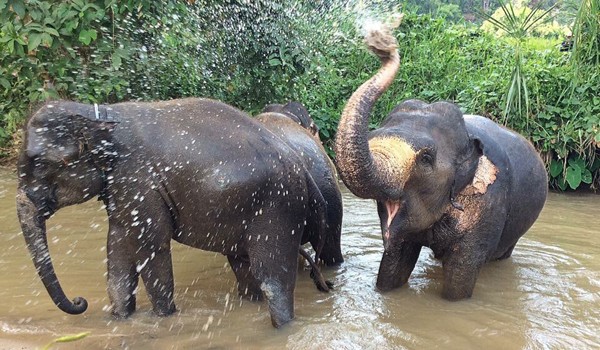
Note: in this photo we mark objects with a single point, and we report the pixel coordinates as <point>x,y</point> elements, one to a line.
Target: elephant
<point>298,113</point>
<point>461,185</point>
<point>194,170</point>
<point>293,124</point>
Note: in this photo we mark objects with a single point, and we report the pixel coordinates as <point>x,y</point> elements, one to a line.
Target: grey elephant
<point>293,124</point>
<point>194,170</point>
<point>463,186</point>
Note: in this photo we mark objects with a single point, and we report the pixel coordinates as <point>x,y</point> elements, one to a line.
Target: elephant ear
<point>466,168</point>
<point>74,129</point>
<point>298,110</point>
<point>97,124</point>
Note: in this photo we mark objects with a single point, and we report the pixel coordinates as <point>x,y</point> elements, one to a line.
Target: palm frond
<point>517,26</point>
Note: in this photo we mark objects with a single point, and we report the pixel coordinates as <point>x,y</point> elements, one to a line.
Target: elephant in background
<point>194,170</point>
<point>463,186</point>
<point>293,124</point>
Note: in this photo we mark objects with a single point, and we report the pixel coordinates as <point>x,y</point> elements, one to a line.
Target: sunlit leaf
<point>86,36</point>
<point>46,39</point>
<point>51,31</point>
<point>577,163</point>
<point>556,168</point>
<point>562,184</point>
<point>573,177</point>
<point>116,61</point>
<point>586,176</point>
<point>19,7</point>
<point>35,39</point>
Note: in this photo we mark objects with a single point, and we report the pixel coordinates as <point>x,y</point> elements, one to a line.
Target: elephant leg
<point>461,268</point>
<point>280,297</point>
<point>122,275</point>
<point>156,271</point>
<point>396,265</point>
<point>248,285</point>
<point>274,262</point>
<point>153,258</point>
<point>140,246</point>
<point>464,259</point>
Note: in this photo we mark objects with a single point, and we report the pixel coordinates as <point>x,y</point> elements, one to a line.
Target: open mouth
<point>392,208</point>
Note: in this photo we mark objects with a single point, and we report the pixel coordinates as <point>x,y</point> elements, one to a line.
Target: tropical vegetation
<point>251,53</point>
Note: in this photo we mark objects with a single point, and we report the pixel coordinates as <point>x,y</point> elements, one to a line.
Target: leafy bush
<point>249,54</point>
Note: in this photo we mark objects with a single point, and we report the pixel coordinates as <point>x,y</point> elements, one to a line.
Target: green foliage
<point>517,25</point>
<point>586,48</point>
<point>573,173</point>
<point>249,54</point>
<point>54,50</point>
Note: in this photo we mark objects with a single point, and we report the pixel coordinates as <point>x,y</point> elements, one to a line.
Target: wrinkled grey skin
<point>293,124</point>
<point>422,175</point>
<point>193,170</point>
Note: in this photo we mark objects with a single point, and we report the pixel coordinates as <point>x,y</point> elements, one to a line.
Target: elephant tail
<point>322,284</point>
<point>318,213</point>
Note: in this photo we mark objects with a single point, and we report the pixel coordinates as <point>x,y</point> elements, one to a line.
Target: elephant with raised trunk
<point>293,124</point>
<point>194,170</point>
<point>461,185</point>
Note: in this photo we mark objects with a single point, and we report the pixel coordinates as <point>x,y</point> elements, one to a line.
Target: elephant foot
<point>164,309</point>
<point>281,302</point>
<point>456,293</point>
<point>124,311</point>
<point>331,259</point>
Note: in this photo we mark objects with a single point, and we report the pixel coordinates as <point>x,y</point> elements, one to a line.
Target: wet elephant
<point>293,124</point>
<point>194,170</point>
<point>463,186</point>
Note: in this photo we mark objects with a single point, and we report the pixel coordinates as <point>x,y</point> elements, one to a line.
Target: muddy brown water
<point>547,296</point>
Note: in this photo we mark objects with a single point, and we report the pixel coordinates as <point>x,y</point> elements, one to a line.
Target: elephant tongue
<point>392,209</point>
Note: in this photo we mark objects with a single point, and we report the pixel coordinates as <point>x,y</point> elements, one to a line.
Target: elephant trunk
<point>365,171</point>
<point>34,230</point>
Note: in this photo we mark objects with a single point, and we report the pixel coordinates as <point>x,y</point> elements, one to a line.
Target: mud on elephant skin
<point>194,170</point>
<point>292,123</point>
<point>464,186</point>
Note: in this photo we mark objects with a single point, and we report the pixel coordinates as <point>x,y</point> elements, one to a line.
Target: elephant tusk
<point>392,207</point>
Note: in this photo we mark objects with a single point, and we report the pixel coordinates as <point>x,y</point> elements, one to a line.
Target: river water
<point>547,296</point>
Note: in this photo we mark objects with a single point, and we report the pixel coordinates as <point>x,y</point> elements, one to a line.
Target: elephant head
<point>414,164</point>
<point>298,113</point>
<point>65,154</point>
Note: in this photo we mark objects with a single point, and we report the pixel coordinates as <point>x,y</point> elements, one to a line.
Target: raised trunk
<point>365,175</point>
<point>34,231</point>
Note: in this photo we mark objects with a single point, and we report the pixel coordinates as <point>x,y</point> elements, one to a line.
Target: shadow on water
<point>545,297</point>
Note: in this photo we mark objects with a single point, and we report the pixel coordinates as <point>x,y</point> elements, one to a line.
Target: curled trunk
<point>366,175</point>
<point>34,230</point>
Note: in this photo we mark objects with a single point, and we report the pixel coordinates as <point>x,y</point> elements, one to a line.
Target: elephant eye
<point>427,157</point>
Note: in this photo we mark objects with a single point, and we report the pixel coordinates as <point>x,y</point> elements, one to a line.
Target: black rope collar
<point>102,113</point>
